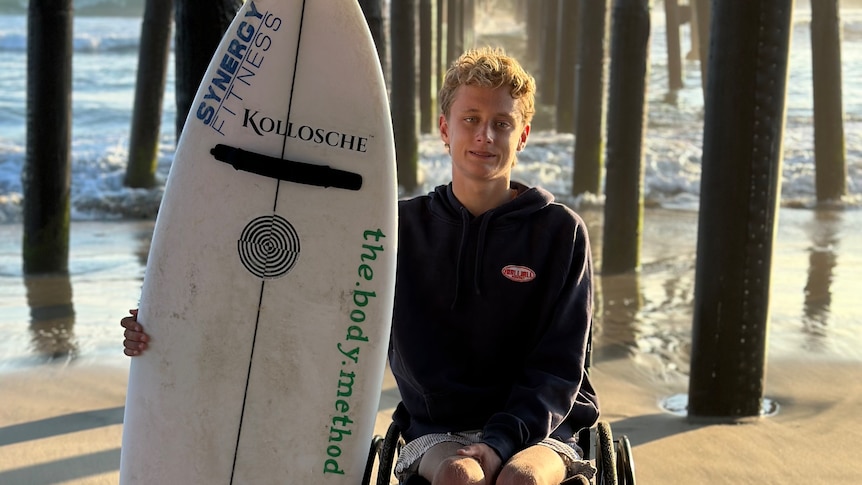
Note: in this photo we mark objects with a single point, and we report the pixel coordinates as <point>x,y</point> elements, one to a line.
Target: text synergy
<point>236,70</point>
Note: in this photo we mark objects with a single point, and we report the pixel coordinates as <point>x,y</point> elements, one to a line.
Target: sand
<point>812,438</point>
<point>63,424</point>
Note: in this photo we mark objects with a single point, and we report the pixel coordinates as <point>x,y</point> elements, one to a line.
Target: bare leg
<point>537,465</point>
<point>441,464</point>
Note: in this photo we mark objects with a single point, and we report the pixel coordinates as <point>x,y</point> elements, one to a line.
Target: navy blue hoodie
<point>491,320</point>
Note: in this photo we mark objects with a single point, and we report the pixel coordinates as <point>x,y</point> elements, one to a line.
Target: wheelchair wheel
<point>390,446</point>
<point>625,461</point>
<point>376,445</point>
<point>606,463</point>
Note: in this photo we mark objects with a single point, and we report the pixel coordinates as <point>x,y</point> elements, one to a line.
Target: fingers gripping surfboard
<point>269,284</point>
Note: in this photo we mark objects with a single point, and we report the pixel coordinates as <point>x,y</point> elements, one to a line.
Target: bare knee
<point>519,474</point>
<point>537,465</point>
<point>457,470</point>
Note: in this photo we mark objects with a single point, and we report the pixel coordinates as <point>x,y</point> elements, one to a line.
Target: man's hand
<point>135,339</point>
<point>487,458</point>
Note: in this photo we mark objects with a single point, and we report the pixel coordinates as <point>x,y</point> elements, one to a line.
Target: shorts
<point>408,457</point>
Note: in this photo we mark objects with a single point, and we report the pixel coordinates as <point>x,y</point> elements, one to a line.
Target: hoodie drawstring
<point>480,252</point>
<point>465,228</point>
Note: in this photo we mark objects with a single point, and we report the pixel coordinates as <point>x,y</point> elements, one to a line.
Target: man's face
<point>484,131</point>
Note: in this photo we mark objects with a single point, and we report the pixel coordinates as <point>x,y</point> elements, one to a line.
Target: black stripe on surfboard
<point>289,170</point>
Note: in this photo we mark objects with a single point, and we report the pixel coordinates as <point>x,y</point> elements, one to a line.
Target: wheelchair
<point>612,457</point>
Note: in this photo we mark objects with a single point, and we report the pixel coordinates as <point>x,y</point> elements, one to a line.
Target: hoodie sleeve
<point>547,392</point>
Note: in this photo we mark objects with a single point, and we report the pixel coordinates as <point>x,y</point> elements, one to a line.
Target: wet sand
<point>61,422</point>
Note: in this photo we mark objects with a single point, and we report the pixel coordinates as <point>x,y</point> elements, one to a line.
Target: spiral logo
<point>268,247</point>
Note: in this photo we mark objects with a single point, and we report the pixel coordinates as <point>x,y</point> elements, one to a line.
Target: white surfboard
<point>270,279</point>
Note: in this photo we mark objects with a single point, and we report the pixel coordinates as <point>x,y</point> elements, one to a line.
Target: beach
<point>63,375</point>
<point>61,419</point>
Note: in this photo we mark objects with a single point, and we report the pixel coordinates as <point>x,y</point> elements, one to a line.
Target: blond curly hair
<point>491,68</point>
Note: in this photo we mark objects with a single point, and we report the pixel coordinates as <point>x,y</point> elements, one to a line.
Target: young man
<point>493,302</point>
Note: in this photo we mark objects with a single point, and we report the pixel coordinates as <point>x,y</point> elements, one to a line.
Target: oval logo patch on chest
<point>519,274</point>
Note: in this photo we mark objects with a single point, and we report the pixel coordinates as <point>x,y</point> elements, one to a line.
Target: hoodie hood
<point>443,204</point>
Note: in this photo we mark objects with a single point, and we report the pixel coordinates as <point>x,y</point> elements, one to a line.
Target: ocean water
<point>108,215</point>
<point>105,62</point>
